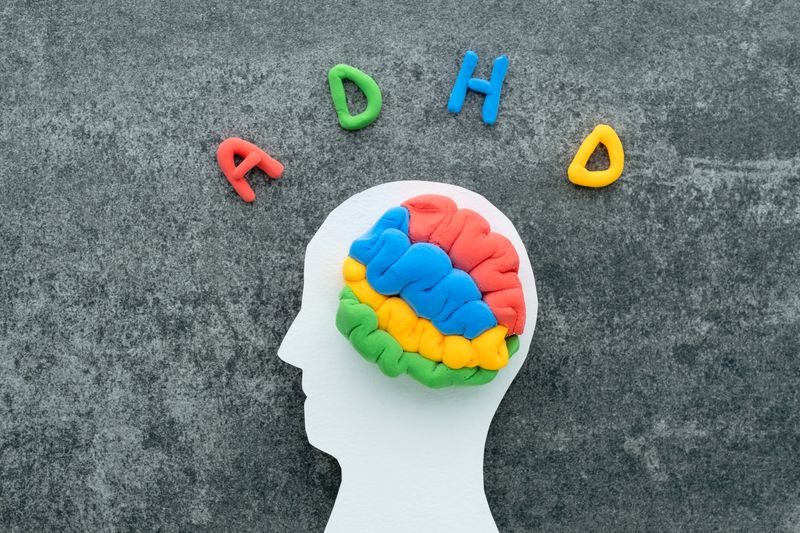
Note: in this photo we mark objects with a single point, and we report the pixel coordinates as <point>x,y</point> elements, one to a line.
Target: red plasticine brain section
<point>488,257</point>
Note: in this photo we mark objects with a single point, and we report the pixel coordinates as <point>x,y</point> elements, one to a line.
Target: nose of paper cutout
<point>430,291</point>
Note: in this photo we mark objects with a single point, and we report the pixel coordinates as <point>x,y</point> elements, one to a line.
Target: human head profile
<point>400,442</point>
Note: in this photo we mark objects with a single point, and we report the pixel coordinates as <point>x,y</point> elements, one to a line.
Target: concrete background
<point>142,303</point>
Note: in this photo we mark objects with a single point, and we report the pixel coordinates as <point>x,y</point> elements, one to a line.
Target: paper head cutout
<point>411,456</point>
<point>432,292</point>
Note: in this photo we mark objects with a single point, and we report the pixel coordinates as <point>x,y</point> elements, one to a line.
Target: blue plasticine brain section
<point>423,275</point>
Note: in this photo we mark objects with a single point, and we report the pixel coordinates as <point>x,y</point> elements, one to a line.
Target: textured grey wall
<point>141,303</point>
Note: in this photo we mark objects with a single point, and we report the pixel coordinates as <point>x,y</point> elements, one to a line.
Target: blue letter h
<point>490,88</point>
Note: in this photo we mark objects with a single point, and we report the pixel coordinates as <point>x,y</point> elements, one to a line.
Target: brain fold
<point>424,276</point>
<point>420,335</point>
<point>432,292</point>
<point>488,257</point>
<point>359,324</point>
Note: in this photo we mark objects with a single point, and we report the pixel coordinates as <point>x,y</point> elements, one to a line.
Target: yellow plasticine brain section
<point>415,334</point>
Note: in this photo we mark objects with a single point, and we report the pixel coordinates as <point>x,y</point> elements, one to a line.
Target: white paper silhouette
<point>411,457</point>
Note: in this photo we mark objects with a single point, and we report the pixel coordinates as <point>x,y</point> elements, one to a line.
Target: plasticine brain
<point>433,293</point>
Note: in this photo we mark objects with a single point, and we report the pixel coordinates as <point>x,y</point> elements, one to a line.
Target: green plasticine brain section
<point>359,323</point>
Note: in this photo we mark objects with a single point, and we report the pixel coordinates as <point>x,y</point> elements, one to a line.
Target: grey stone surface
<point>141,303</point>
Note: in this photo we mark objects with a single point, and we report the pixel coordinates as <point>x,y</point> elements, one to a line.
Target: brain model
<point>433,293</point>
